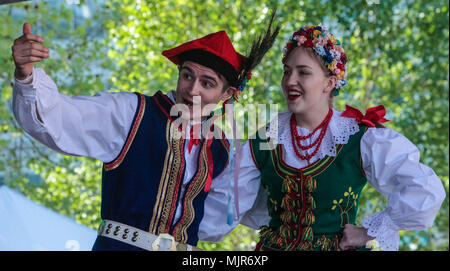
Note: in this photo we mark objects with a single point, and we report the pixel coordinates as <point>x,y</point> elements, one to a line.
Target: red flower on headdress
<point>344,58</point>
<point>340,66</point>
<point>308,43</point>
<point>305,34</point>
<point>289,45</point>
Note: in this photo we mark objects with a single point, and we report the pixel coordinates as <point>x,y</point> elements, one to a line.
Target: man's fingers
<point>28,38</point>
<point>28,59</point>
<point>34,52</point>
<point>26,28</point>
<point>21,52</point>
<point>35,46</point>
<point>32,37</point>
<point>23,49</point>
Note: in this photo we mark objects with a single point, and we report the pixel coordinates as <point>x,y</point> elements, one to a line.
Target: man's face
<point>204,84</point>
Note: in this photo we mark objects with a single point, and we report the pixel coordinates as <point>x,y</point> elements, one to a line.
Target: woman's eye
<point>286,72</point>
<point>187,76</point>
<point>207,84</point>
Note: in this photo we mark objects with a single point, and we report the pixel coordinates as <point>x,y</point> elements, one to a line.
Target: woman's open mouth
<point>294,94</point>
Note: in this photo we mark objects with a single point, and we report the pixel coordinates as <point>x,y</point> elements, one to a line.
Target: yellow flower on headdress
<point>333,40</point>
<point>316,33</point>
<point>341,75</point>
<point>332,66</point>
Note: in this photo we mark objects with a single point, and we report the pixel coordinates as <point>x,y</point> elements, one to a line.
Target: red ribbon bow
<point>373,115</point>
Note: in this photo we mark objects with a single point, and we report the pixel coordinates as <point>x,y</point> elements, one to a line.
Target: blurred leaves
<point>397,51</point>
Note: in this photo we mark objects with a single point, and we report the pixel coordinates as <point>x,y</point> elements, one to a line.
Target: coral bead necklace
<point>296,138</point>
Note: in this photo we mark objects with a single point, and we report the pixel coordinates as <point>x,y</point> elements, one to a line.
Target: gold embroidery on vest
<point>166,191</point>
<point>197,185</point>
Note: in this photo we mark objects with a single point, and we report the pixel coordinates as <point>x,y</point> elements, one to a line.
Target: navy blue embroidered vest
<point>141,186</point>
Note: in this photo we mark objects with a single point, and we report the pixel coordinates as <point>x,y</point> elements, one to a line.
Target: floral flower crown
<point>326,46</point>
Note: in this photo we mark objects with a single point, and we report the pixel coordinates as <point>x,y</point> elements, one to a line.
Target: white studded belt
<point>139,238</point>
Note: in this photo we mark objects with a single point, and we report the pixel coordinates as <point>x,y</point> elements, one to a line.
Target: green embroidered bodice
<point>309,206</point>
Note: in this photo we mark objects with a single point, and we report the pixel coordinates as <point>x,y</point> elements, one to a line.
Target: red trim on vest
<point>302,214</point>
<point>114,164</point>
<point>160,107</point>
<point>169,101</point>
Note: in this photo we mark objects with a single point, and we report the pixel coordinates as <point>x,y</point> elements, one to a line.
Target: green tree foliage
<point>65,184</point>
<point>397,51</point>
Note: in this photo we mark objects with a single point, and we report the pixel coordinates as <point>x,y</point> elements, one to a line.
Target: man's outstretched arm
<point>94,126</point>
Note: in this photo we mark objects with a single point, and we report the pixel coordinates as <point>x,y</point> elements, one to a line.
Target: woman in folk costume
<point>155,180</point>
<point>313,163</point>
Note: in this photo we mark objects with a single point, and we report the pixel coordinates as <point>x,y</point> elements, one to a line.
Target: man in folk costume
<point>155,176</point>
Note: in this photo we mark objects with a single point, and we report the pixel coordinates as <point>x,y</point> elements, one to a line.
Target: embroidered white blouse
<point>70,125</point>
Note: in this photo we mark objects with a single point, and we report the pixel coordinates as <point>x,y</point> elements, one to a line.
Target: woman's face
<point>304,83</point>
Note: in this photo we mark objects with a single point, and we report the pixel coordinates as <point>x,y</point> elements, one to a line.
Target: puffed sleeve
<point>414,192</point>
<point>93,126</point>
<point>252,200</point>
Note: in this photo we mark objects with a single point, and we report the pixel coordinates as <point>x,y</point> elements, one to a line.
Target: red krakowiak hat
<point>214,51</point>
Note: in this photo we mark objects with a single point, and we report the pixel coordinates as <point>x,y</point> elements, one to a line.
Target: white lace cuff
<point>380,226</point>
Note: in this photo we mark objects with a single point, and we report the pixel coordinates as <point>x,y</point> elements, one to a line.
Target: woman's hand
<point>354,237</point>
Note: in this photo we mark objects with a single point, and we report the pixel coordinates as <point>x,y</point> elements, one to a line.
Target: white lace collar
<point>338,132</point>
